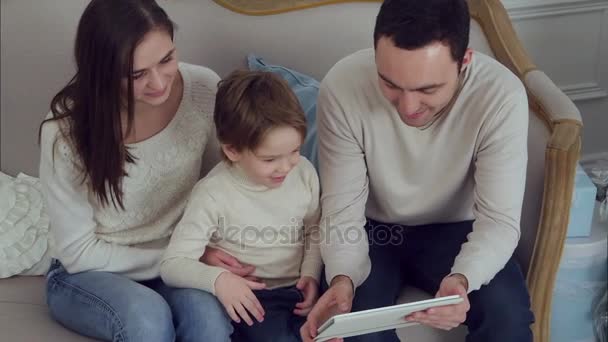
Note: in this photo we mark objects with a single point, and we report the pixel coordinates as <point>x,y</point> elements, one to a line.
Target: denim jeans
<point>422,256</point>
<point>280,323</point>
<point>111,307</point>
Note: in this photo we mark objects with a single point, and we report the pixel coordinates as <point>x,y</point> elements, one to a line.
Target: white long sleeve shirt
<point>274,230</point>
<point>469,165</point>
<point>86,236</point>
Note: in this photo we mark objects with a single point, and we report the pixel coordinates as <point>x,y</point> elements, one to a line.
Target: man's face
<point>419,83</point>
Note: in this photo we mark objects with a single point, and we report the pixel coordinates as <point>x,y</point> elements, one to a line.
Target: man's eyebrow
<point>430,86</point>
<point>167,55</point>
<point>422,88</point>
<point>389,81</point>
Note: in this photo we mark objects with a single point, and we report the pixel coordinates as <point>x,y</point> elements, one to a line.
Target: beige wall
<point>568,39</point>
<point>37,37</point>
<point>35,60</point>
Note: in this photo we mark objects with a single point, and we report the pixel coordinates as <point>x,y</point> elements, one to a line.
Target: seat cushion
<point>24,315</point>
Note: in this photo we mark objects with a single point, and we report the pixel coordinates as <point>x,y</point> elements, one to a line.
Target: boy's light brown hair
<point>248,104</point>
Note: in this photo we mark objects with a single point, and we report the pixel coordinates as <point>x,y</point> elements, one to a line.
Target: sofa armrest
<point>561,155</point>
<point>552,102</point>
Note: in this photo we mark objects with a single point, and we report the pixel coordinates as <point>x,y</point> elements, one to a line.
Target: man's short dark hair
<point>413,24</point>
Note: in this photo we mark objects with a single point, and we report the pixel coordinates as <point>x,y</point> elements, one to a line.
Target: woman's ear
<point>230,152</point>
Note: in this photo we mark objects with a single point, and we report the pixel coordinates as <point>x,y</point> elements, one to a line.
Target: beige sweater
<point>470,164</point>
<point>274,230</point>
<point>87,236</point>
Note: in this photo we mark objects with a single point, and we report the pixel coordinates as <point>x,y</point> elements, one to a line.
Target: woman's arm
<point>72,229</point>
<point>312,262</point>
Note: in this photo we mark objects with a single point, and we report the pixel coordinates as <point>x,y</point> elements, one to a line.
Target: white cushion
<point>23,227</point>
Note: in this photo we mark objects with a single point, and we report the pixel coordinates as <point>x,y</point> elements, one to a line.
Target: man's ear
<point>466,59</point>
<point>230,152</point>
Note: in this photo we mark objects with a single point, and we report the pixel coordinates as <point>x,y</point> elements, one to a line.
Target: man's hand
<point>310,289</point>
<point>219,258</point>
<point>449,316</point>
<point>337,299</point>
<point>236,294</point>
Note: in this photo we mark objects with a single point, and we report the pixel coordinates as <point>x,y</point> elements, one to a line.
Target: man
<point>423,161</point>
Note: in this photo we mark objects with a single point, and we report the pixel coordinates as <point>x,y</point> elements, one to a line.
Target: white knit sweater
<point>274,230</point>
<point>87,236</point>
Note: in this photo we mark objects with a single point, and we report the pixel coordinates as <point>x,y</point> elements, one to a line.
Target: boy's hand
<point>310,289</point>
<point>235,294</point>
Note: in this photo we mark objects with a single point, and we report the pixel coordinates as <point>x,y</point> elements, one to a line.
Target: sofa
<point>311,40</point>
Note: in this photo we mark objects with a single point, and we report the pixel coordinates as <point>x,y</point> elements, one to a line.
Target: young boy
<point>261,205</point>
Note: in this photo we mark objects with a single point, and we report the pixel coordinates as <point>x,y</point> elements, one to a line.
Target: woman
<point>120,151</point>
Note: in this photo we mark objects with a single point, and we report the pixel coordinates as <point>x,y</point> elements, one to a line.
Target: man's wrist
<point>463,280</point>
<point>342,279</point>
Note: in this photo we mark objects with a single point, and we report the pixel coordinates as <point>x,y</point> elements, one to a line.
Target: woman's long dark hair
<point>108,33</point>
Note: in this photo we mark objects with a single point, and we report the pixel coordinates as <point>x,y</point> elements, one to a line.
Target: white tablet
<point>368,321</point>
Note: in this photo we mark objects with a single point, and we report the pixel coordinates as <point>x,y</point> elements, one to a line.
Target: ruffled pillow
<point>24,227</point>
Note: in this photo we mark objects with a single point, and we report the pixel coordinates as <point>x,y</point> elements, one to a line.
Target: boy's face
<point>419,83</point>
<point>270,162</point>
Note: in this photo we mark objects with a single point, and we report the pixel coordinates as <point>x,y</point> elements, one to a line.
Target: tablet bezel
<point>324,332</point>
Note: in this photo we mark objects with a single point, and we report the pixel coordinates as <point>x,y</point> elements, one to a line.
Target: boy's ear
<point>230,152</point>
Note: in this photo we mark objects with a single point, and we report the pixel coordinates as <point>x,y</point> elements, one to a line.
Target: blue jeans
<point>280,323</point>
<point>422,256</point>
<point>111,307</point>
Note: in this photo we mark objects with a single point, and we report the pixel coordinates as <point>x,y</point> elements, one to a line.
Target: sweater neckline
<point>184,107</point>
<point>462,80</point>
<point>243,180</point>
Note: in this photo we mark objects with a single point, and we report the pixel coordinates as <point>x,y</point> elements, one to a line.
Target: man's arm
<point>343,175</point>
<point>500,177</point>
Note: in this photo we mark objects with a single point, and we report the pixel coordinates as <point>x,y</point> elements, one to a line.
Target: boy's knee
<point>200,316</point>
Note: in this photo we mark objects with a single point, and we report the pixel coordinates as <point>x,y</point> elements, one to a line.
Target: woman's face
<point>154,68</point>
